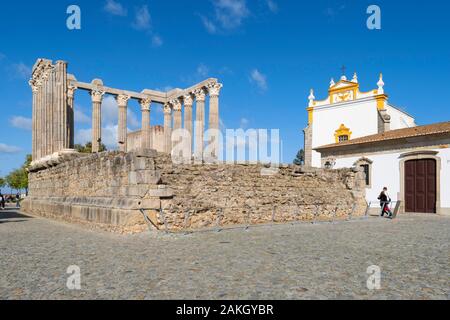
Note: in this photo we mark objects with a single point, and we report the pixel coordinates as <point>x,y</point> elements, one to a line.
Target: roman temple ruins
<point>138,185</point>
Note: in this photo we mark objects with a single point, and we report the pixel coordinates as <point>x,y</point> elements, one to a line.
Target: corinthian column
<point>188,102</point>
<point>39,119</point>
<point>122,102</point>
<point>70,116</point>
<point>34,89</point>
<point>176,105</point>
<point>146,139</point>
<point>214,92</point>
<point>97,97</point>
<point>167,128</point>
<point>200,96</point>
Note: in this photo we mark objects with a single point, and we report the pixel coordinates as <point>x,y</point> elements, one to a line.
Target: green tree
<point>2,183</point>
<point>18,179</point>
<point>300,158</point>
<point>87,148</point>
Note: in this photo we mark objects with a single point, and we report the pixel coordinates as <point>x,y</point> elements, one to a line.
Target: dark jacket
<point>383,197</point>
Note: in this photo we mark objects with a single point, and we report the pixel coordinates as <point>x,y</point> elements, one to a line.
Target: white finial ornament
<point>355,78</point>
<point>343,77</point>
<point>332,83</point>
<point>380,85</point>
<point>311,97</point>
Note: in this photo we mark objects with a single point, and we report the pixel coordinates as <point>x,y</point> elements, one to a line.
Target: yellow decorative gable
<point>345,91</point>
<point>342,134</point>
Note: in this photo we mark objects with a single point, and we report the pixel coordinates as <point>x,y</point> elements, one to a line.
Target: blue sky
<point>268,54</point>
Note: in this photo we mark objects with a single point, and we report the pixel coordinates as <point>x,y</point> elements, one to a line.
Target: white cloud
<point>21,70</point>
<point>109,136</point>
<point>142,20</point>
<point>209,25</point>
<point>259,79</point>
<point>244,123</point>
<point>83,136</point>
<point>80,116</point>
<point>157,41</point>
<point>115,8</point>
<point>273,6</point>
<point>202,70</point>
<point>228,15</point>
<point>21,122</point>
<point>4,148</point>
<point>333,12</point>
<point>110,113</point>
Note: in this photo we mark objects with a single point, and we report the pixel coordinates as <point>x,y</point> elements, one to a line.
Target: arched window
<point>366,165</point>
<point>342,134</point>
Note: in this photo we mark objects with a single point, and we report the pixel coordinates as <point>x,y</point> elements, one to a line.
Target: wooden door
<point>420,186</point>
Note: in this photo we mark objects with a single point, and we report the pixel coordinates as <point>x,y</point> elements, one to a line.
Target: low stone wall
<point>109,190</point>
<point>225,195</point>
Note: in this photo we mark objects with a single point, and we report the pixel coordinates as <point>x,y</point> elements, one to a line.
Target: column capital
<point>34,85</point>
<point>176,104</point>
<point>97,95</point>
<point>200,94</point>
<point>71,91</point>
<point>167,109</point>
<point>188,100</point>
<point>122,100</point>
<point>145,104</point>
<point>47,70</point>
<point>214,89</point>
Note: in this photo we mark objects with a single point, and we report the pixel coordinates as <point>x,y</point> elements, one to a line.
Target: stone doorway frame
<point>419,155</point>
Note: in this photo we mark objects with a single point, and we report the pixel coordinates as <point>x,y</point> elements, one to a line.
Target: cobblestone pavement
<point>304,261</point>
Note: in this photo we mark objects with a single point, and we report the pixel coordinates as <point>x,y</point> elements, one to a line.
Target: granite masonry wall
<point>110,189</point>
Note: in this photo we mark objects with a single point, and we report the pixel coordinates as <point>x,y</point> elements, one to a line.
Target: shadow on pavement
<point>12,214</point>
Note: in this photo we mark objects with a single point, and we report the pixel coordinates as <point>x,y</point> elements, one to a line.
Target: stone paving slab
<point>303,261</point>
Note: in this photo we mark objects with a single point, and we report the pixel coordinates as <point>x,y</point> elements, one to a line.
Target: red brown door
<point>420,186</point>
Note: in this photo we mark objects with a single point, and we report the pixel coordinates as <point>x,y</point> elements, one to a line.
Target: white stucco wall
<point>445,177</point>
<point>361,117</point>
<point>399,119</point>
<point>386,173</point>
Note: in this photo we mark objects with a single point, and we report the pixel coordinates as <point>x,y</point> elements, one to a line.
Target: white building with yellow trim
<point>348,113</point>
<point>351,128</point>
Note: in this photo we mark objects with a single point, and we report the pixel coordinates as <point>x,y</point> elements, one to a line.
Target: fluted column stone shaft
<point>70,117</point>
<point>97,97</point>
<point>146,139</point>
<point>188,102</point>
<point>200,96</point>
<point>122,102</point>
<point>214,92</point>
<point>168,128</point>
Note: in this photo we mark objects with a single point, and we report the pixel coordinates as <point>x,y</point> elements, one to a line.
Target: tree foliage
<point>300,157</point>
<point>87,148</point>
<point>18,179</point>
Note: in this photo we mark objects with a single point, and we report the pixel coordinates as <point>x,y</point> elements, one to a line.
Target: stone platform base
<point>110,189</point>
<point>117,215</point>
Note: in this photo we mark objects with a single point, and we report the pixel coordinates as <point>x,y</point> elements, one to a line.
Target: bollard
<point>366,215</point>
<point>219,220</point>
<point>161,211</point>
<point>316,214</point>
<point>351,213</point>
<point>186,219</point>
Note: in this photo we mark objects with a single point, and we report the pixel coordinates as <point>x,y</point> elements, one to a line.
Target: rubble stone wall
<point>225,195</point>
<point>109,189</point>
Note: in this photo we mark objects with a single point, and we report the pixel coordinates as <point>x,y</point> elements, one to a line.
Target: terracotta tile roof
<point>431,129</point>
